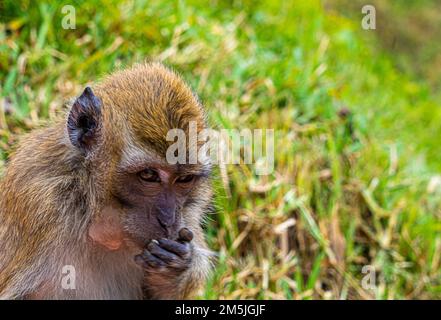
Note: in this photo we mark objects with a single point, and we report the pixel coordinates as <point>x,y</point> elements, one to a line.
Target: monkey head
<point>118,131</point>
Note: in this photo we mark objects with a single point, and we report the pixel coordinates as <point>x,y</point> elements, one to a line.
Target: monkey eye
<point>149,175</point>
<point>185,179</point>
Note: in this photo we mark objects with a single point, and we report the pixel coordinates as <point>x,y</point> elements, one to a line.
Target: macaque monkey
<point>94,199</point>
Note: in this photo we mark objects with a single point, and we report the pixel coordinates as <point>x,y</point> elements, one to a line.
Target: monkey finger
<point>146,259</point>
<point>161,253</point>
<point>181,249</point>
<point>185,235</point>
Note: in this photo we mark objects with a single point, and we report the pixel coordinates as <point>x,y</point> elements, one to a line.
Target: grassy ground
<point>357,143</point>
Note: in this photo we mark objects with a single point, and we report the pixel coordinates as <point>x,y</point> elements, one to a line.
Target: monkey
<point>93,197</point>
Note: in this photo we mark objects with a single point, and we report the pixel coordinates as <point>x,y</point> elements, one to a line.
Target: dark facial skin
<point>153,200</point>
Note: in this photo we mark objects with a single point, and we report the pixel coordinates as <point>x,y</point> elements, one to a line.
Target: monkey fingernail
<point>155,241</point>
<point>185,235</point>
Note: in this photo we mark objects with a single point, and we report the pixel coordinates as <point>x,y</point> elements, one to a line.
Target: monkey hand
<point>165,262</point>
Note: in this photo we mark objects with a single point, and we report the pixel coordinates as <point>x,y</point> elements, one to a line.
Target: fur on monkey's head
<point>147,101</point>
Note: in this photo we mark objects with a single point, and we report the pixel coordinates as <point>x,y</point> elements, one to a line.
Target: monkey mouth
<point>139,242</point>
<point>169,232</point>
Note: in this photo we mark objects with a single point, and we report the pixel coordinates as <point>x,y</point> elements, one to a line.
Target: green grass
<point>361,185</point>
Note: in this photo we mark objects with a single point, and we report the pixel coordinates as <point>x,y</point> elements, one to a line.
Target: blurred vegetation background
<point>357,180</point>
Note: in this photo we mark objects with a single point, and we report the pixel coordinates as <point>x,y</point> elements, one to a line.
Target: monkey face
<point>155,199</point>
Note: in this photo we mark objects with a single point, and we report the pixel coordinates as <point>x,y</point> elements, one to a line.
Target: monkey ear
<point>84,120</point>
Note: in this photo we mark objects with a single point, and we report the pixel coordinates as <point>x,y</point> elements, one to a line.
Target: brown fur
<point>51,195</point>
